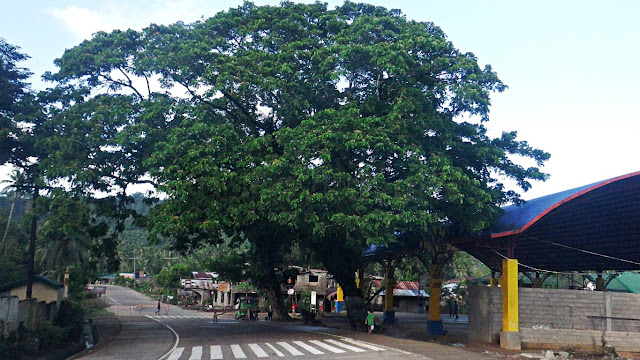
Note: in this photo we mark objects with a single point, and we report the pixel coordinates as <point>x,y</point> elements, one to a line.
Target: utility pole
<point>32,237</point>
<point>134,266</point>
<point>32,243</point>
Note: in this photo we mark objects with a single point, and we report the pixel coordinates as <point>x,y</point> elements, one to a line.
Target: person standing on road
<point>455,308</point>
<point>370,321</point>
<point>158,309</point>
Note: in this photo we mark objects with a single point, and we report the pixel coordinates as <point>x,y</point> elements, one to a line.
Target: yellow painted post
<point>388,290</point>
<point>360,280</point>
<point>509,283</point>
<point>434,324</point>
<point>435,284</point>
<point>339,305</point>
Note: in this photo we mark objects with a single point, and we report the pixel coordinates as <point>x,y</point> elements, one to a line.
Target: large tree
<point>13,89</point>
<point>334,129</point>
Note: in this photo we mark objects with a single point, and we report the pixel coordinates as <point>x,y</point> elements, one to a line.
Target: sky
<point>571,66</point>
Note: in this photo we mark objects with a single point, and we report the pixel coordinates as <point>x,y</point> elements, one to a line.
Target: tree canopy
<point>332,129</point>
<point>13,88</point>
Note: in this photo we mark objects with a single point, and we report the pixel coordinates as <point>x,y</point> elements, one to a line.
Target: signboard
<point>223,287</point>
<point>313,298</point>
<point>197,284</point>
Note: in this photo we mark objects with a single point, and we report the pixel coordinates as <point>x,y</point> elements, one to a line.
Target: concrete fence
<point>30,312</point>
<point>559,318</point>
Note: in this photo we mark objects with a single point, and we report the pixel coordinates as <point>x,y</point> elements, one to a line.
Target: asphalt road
<point>177,334</point>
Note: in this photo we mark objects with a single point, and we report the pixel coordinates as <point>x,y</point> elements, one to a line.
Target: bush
<point>70,317</point>
<point>51,336</point>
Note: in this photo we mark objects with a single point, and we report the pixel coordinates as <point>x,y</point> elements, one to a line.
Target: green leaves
<point>332,128</point>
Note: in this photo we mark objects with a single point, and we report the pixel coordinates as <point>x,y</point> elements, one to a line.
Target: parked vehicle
<point>246,308</point>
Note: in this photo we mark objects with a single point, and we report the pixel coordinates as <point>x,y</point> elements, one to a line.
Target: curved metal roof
<point>592,227</point>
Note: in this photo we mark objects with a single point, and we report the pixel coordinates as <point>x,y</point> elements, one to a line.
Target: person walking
<point>158,309</point>
<point>370,321</point>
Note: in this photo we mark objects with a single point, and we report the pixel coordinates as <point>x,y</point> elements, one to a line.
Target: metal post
<point>32,244</point>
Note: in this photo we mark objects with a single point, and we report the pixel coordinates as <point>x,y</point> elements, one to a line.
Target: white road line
<point>177,337</point>
<point>258,350</point>
<point>196,353</point>
<point>348,347</point>
<point>176,353</point>
<point>278,352</point>
<point>327,346</point>
<point>364,344</point>
<point>289,348</point>
<point>216,352</point>
<point>309,348</point>
<point>237,352</point>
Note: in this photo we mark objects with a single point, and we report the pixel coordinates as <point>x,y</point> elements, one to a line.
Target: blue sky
<point>571,66</point>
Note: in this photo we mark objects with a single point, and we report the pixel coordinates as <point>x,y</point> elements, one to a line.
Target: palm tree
<point>16,178</point>
<point>65,233</point>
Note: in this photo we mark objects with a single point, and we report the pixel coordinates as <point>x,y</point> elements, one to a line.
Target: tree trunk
<point>269,282</point>
<point>6,229</point>
<point>356,312</point>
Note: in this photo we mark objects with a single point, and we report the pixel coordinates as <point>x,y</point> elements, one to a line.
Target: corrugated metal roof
<point>593,227</point>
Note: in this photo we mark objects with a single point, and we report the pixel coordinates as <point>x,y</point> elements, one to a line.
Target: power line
<point>585,251</point>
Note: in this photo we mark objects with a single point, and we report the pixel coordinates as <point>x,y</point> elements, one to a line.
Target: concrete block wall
<point>561,317</point>
<point>30,312</point>
<point>625,310</point>
<point>562,309</point>
<point>622,340</point>
<point>560,338</point>
<point>9,310</point>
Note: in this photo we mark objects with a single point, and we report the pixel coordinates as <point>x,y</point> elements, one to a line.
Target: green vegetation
<point>304,133</point>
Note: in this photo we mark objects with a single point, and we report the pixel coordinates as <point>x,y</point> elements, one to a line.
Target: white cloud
<point>80,21</point>
<point>83,21</point>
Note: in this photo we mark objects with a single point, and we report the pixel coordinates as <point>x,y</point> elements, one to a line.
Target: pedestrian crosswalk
<point>278,349</point>
<point>209,317</point>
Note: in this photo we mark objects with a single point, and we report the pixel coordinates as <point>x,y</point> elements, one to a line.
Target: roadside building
<point>408,296</point>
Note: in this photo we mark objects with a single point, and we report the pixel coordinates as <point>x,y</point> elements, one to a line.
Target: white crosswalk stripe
<point>216,352</point>
<point>348,347</point>
<point>363,344</point>
<point>258,350</point>
<point>280,349</point>
<point>196,353</point>
<point>309,348</point>
<point>176,353</point>
<point>333,349</point>
<point>237,352</point>
<point>293,351</point>
<point>275,350</point>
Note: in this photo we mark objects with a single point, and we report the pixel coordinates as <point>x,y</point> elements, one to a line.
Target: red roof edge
<point>563,201</point>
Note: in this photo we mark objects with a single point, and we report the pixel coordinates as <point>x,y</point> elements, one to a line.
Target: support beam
<point>510,335</point>
<point>389,315</point>
<point>360,279</point>
<point>339,306</point>
<point>434,324</point>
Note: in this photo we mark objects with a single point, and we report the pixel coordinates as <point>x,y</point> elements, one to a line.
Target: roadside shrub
<point>51,336</point>
<point>70,317</point>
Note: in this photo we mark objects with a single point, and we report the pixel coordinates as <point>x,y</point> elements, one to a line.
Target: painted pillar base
<point>389,317</point>
<point>339,306</point>
<point>434,327</point>
<point>510,340</point>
